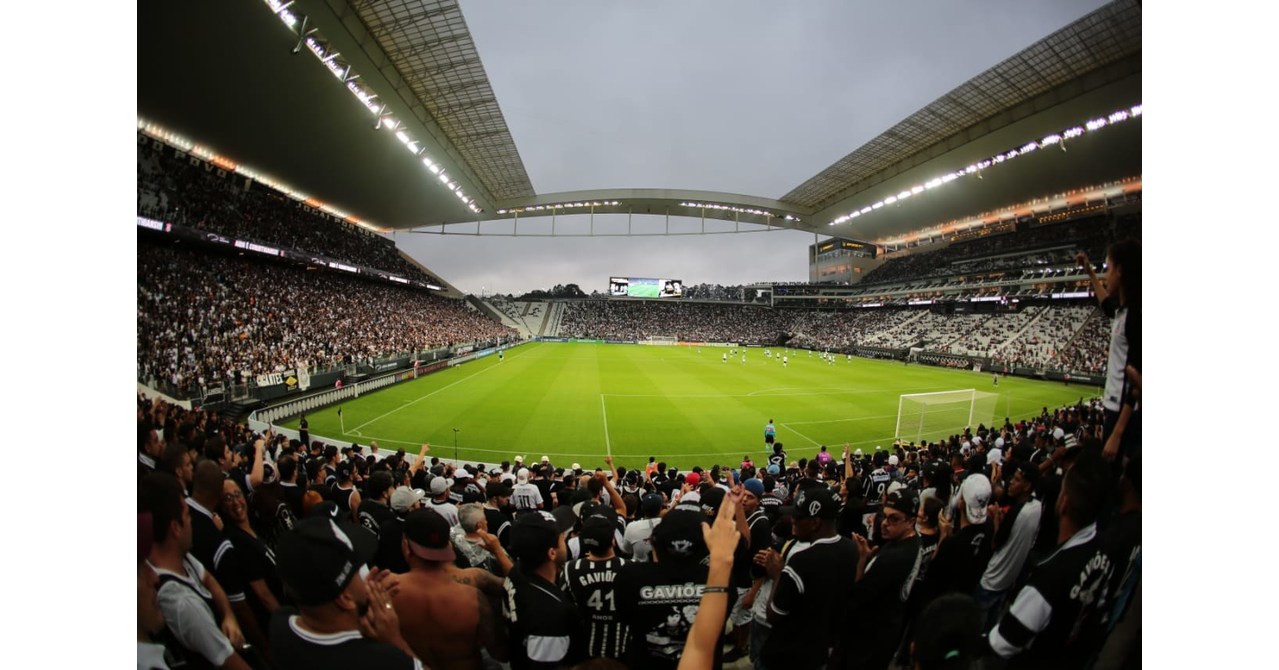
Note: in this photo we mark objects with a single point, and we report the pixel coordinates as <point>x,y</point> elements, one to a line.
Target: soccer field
<point>578,402</point>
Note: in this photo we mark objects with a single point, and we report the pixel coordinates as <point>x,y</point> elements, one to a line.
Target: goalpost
<point>932,416</point>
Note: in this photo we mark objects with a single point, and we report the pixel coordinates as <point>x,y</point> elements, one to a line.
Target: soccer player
<point>785,361</point>
<point>770,433</point>
<point>725,358</point>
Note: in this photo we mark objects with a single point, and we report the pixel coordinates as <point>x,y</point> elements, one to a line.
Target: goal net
<point>932,416</point>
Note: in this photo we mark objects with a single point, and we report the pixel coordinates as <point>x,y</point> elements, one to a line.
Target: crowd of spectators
<point>634,320</point>
<point>1087,351</point>
<point>994,333</point>
<point>1050,341</point>
<point>206,320</point>
<point>173,189</point>
<point>1024,248</point>
<point>1015,542</point>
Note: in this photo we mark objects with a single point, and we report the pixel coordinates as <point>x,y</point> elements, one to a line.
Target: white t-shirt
<point>188,615</point>
<point>1111,399</point>
<point>637,541</point>
<point>526,496</point>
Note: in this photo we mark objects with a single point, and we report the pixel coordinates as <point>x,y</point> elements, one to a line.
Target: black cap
<point>651,504</point>
<point>497,489</point>
<point>679,536</point>
<point>539,531</point>
<point>816,502</point>
<point>904,501</point>
<point>428,536</point>
<point>320,556</point>
<point>711,501</point>
<point>597,533</point>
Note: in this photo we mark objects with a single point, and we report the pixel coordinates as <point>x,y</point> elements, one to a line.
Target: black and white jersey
<point>590,588</point>
<point>525,497</point>
<point>1055,618</point>
<point>372,514</point>
<point>296,648</point>
<point>214,550</point>
<point>874,488</point>
<point>659,601</point>
<point>808,602</point>
<point>499,524</point>
<point>545,630</point>
<point>778,459</point>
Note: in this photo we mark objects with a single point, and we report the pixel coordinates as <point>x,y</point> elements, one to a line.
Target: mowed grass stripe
<point>670,402</point>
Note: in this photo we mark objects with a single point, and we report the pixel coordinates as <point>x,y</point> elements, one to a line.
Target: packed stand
<point>994,333</point>
<point>1042,344</point>
<point>717,292</point>
<point>1087,351</point>
<point>1017,541</point>
<point>173,190</point>
<point>690,322</point>
<point>840,330</point>
<point>991,253</point>
<point>205,320</point>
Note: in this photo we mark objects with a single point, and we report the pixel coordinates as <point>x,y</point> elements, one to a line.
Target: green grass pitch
<point>578,402</point>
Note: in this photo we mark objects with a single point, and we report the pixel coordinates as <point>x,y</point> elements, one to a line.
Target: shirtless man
<point>452,615</point>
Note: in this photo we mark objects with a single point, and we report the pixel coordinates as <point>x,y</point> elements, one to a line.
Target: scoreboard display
<point>642,287</point>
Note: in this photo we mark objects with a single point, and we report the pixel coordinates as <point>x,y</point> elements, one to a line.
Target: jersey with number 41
<point>590,588</point>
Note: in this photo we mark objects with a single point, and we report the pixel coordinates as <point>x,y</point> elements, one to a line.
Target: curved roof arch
<point>228,75</point>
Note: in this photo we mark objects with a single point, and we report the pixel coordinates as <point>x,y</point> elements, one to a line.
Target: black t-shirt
<point>214,550</point>
<point>659,602</point>
<point>959,562</point>
<point>390,551</point>
<point>877,600</point>
<point>545,630</point>
<point>373,513</point>
<point>544,487</point>
<point>771,505</point>
<point>257,561</point>
<point>761,537</point>
<point>295,648</point>
<point>499,524</point>
<point>874,487</point>
<point>590,588</point>
<point>809,596</point>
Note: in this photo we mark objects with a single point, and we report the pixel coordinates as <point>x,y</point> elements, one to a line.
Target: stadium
<point>968,338</point>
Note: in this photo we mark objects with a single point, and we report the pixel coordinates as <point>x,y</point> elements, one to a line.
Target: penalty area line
<point>787,427</point>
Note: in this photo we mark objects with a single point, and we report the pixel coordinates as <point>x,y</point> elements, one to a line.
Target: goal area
<point>933,416</point>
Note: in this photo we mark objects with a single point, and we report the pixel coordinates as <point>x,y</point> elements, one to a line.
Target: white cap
<point>522,475</point>
<point>546,459</point>
<point>976,494</point>
<point>999,443</point>
<point>976,439</point>
<point>858,453</point>
<point>1058,433</point>
<point>892,460</point>
<point>519,459</point>
<point>577,466</point>
<point>995,455</point>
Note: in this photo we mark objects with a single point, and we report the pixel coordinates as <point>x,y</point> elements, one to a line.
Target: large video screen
<point>639,287</point>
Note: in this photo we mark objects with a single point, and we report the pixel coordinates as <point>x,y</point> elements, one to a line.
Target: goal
<point>932,416</point>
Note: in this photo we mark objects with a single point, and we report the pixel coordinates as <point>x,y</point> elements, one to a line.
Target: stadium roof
<point>232,76</point>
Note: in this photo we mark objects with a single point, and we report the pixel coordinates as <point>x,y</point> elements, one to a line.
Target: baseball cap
<point>462,473</point>
<point>904,501</point>
<point>816,502</point>
<point>546,459</point>
<point>773,469</point>
<point>439,485</point>
<point>577,467</point>
<point>320,556</point>
<point>892,460</point>
<point>679,536</point>
<point>539,530</point>
<point>976,494</point>
<point>651,504</point>
<point>428,536</point>
<point>597,533</point>
<point>496,489</point>
<point>404,497</point>
<point>755,486</point>
<point>693,479</point>
<point>1058,433</point>
<point>711,502</point>
<point>522,476</point>
<point>519,460</point>
<point>858,453</point>
<point>995,455</point>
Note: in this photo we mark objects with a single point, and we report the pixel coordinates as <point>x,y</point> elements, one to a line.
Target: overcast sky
<point>743,97</point>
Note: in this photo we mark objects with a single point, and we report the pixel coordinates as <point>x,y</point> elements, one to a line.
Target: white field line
<point>787,427</point>
<point>414,402</point>
<point>608,446</point>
